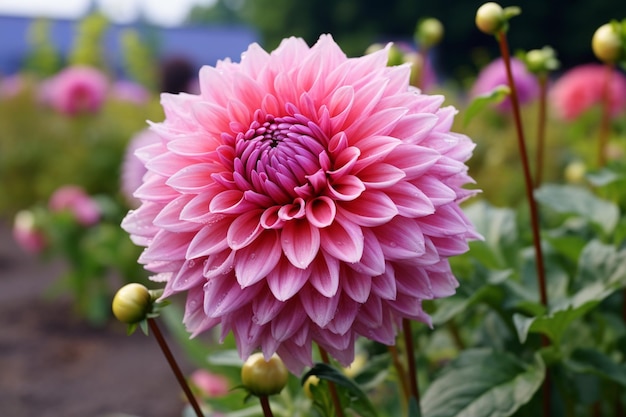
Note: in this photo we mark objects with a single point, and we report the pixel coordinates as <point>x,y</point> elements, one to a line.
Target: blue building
<point>201,45</point>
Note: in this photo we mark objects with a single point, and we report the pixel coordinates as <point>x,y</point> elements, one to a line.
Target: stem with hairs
<point>331,386</point>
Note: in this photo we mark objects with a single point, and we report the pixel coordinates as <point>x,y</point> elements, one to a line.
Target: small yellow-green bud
<point>575,172</point>
<point>429,32</point>
<point>131,303</point>
<point>263,378</point>
<point>490,18</point>
<point>374,48</point>
<point>607,44</point>
<point>311,380</point>
<point>540,61</point>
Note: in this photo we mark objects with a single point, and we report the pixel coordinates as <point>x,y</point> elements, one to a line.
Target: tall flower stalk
<point>492,19</point>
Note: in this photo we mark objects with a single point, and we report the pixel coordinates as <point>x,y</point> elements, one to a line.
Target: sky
<point>160,12</point>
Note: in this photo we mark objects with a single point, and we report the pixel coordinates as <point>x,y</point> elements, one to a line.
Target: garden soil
<point>53,364</point>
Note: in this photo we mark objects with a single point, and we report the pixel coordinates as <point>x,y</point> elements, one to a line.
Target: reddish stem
<point>175,368</point>
<point>534,216</point>
<point>532,204</point>
<point>265,405</point>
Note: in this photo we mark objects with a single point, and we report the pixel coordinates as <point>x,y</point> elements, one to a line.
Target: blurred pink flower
<point>211,385</point>
<point>303,197</point>
<point>582,87</point>
<point>494,75</point>
<point>133,168</point>
<point>124,90</point>
<point>27,234</point>
<point>12,85</point>
<point>75,90</point>
<point>74,199</point>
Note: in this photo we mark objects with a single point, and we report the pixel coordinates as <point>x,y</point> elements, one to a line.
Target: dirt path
<point>52,364</point>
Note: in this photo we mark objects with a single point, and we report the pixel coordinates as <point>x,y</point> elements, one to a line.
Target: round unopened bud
<point>575,172</point>
<point>490,18</point>
<point>541,61</point>
<point>607,44</point>
<point>263,378</point>
<point>429,32</point>
<point>131,303</point>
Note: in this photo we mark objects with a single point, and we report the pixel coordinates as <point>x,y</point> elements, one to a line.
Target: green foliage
<point>139,59</point>
<point>42,59</point>
<point>88,46</point>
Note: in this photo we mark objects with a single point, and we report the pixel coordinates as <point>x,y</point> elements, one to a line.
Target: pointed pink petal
<point>230,202</point>
<point>193,178</point>
<point>373,208</point>
<point>325,274</point>
<point>287,324</point>
<point>346,188</point>
<point>373,260</point>
<point>300,242</point>
<point>343,240</point>
<point>210,239</point>
<point>344,319</point>
<point>265,307</point>
<point>410,200</point>
<point>380,175</point>
<point>401,238</point>
<point>356,286</point>
<point>285,280</point>
<point>257,260</point>
<point>319,308</point>
<point>169,217</point>
<point>218,264</point>
<point>223,295</point>
<point>384,285</point>
<point>244,229</point>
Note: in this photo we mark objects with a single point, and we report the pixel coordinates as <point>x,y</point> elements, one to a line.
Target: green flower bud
<point>132,303</point>
<point>541,61</point>
<point>607,44</point>
<point>490,18</point>
<point>263,378</point>
<point>312,380</point>
<point>429,32</point>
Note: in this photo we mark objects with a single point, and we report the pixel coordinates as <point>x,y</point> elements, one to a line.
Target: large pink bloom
<point>583,87</point>
<point>75,90</point>
<point>302,197</point>
<point>133,169</point>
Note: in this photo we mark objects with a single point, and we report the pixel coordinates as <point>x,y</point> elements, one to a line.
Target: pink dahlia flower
<point>76,90</point>
<point>494,75</point>
<point>582,87</point>
<point>75,200</point>
<point>303,197</point>
<point>133,168</point>
<point>27,234</point>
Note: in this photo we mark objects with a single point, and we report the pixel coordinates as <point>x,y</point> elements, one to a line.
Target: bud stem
<point>541,127</point>
<point>175,368</point>
<point>532,204</point>
<point>265,405</point>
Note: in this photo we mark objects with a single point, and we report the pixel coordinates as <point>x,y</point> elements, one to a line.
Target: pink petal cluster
<point>75,90</point>
<point>210,385</point>
<point>583,87</point>
<point>303,196</point>
<point>133,169</point>
<point>74,199</point>
<point>494,74</point>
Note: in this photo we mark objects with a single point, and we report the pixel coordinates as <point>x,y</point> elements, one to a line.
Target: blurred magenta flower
<point>27,234</point>
<point>582,87</point>
<point>494,74</point>
<point>133,169</point>
<point>303,197</point>
<point>210,385</point>
<point>124,90</point>
<point>75,90</point>
<point>74,199</point>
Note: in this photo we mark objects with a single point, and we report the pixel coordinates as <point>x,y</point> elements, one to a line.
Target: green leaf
<point>570,199</point>
<point>479,103</point>
<point>356,398</point>
<point>601,263</point>
<point>591,361</point>
<point>483,382</point>
<point>498,227</point>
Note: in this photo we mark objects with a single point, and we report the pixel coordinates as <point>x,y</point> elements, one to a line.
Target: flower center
<point>278,156</point>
